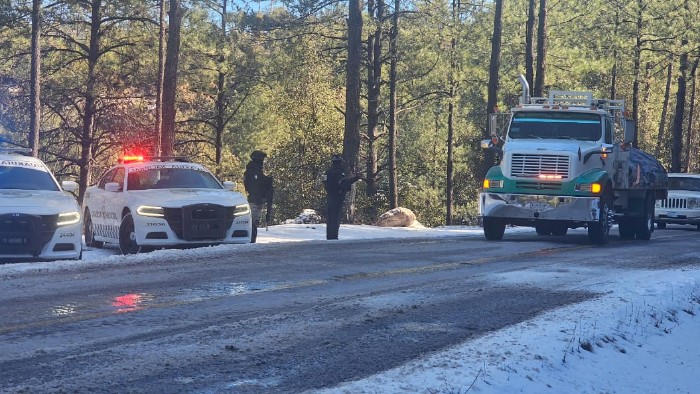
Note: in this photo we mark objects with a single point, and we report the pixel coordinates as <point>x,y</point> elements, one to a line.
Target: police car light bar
<point>170,158</point>
<point>16,150</point>
<point>131,159</point>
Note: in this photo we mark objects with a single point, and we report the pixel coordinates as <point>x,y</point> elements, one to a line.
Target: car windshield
<point>170,178</point>
<point>556,125</point>
<point>24,178</point>
<point>681,183</point>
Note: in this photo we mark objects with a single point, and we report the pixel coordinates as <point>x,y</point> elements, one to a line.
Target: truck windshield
<point>680,183</point>
<point>555,125</point>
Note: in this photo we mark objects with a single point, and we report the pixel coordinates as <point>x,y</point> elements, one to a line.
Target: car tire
<point>127,236</point>
<point>662,225</point>
<point>90,232</point>
<point>543,229</point>
<point>560,229</point>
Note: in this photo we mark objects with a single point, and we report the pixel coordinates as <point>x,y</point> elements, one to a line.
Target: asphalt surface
<point>291,317</point>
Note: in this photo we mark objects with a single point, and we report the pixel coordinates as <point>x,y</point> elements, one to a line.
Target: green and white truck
<point>561,168</point>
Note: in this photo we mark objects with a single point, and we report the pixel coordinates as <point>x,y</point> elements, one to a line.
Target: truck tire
<point>560,229</point>
<point>543,229</point>
<point>494,229</point>
<point>645,224</point>
<point>626,228</point>
<point>599,231</point>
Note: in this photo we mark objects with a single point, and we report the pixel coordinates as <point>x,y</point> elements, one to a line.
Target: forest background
<point>86,81</point>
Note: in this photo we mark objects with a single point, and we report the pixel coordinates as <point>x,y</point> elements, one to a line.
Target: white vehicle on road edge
<point>683,203</point>
<point>39,218</point>
<point>142,205</point>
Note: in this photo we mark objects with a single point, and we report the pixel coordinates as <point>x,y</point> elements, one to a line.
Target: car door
<point>114,202</point>
<point>95,203</point>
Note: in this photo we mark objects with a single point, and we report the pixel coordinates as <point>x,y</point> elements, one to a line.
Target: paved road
<point>290,317</point>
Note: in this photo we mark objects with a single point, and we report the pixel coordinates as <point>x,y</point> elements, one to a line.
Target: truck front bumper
<point>538,207</point>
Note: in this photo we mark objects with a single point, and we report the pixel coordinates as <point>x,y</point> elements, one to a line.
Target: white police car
<point>39,219</point>
<point>161,202</point>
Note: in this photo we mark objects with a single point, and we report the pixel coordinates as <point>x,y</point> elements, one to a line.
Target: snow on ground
<point>642,336</point>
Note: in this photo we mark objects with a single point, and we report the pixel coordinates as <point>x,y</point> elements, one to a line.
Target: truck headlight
<point>493,183</point>
<point>154,212</point>
<point>68,218</point>
<point>594,188</point>
<point>241,210</point>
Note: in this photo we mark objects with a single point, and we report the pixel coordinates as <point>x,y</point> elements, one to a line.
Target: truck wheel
<point>626,228</point>
<point>127,236</point>
<point>645,224</point>
<point>89,232</point>
<point>494,229</point>
<point>599,231</point>
<point>543,229</point>
<point>662,225</point>
<point>560,229</point>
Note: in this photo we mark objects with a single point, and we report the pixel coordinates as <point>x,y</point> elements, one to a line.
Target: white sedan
<point>683,203</point>
<point>144,205</point>
<point>39,219</point>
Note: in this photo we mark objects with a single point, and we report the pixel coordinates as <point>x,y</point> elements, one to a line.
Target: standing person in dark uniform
<point>337,185</point>
<point>259,188</point>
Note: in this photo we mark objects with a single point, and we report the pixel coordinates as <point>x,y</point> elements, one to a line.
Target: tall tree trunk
<point>677,149</point>
<point>161,71</point>
<point>351,136</point>
<point>393,51</point>
<point>35,88</point>
<point>664,111</point>
<point>449,185</point>
<point>677,133</point>
<point>637,68</point>
<point>613,72</point>
<point>170,78</point>
<point>691,115</point>
<point>494,67</point>
<point>374,81</point>
<point>219,121</point>
<point>530,45</point>
<point>90,100</point>
<point>541,70</point>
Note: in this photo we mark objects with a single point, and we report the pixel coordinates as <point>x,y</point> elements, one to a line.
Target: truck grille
<point>538,185</point>
<point>677,203</point>
<point>25,234</point>
<point>532,166</point>
<point>200,222</point>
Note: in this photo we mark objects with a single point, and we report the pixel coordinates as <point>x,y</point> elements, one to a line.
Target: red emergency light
<point>131,158</point>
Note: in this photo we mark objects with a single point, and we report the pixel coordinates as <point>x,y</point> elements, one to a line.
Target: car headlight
<point>154,212</point>
<point>68,218</point>
<point>241,210</point>
<point>693,203</point>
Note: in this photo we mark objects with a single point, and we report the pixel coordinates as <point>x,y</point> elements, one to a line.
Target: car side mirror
<point>112,187</point>
<point>69,186</point>
<point>228,185</point>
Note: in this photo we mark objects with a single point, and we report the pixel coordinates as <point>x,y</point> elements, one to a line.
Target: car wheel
<point>494,229</point>
<point>127,236</point>
<point>662,225</point>
<point>599,231</point>
<point>90,232</point>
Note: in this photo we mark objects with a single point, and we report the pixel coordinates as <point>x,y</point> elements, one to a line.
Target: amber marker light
<point>486,184</point>
<point>596,187</point>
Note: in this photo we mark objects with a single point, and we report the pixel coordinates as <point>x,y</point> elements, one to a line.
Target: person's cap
<point>258,155</point>
<point>337,158</point>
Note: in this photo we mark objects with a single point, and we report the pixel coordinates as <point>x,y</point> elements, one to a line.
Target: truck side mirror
<point>630,130</point>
